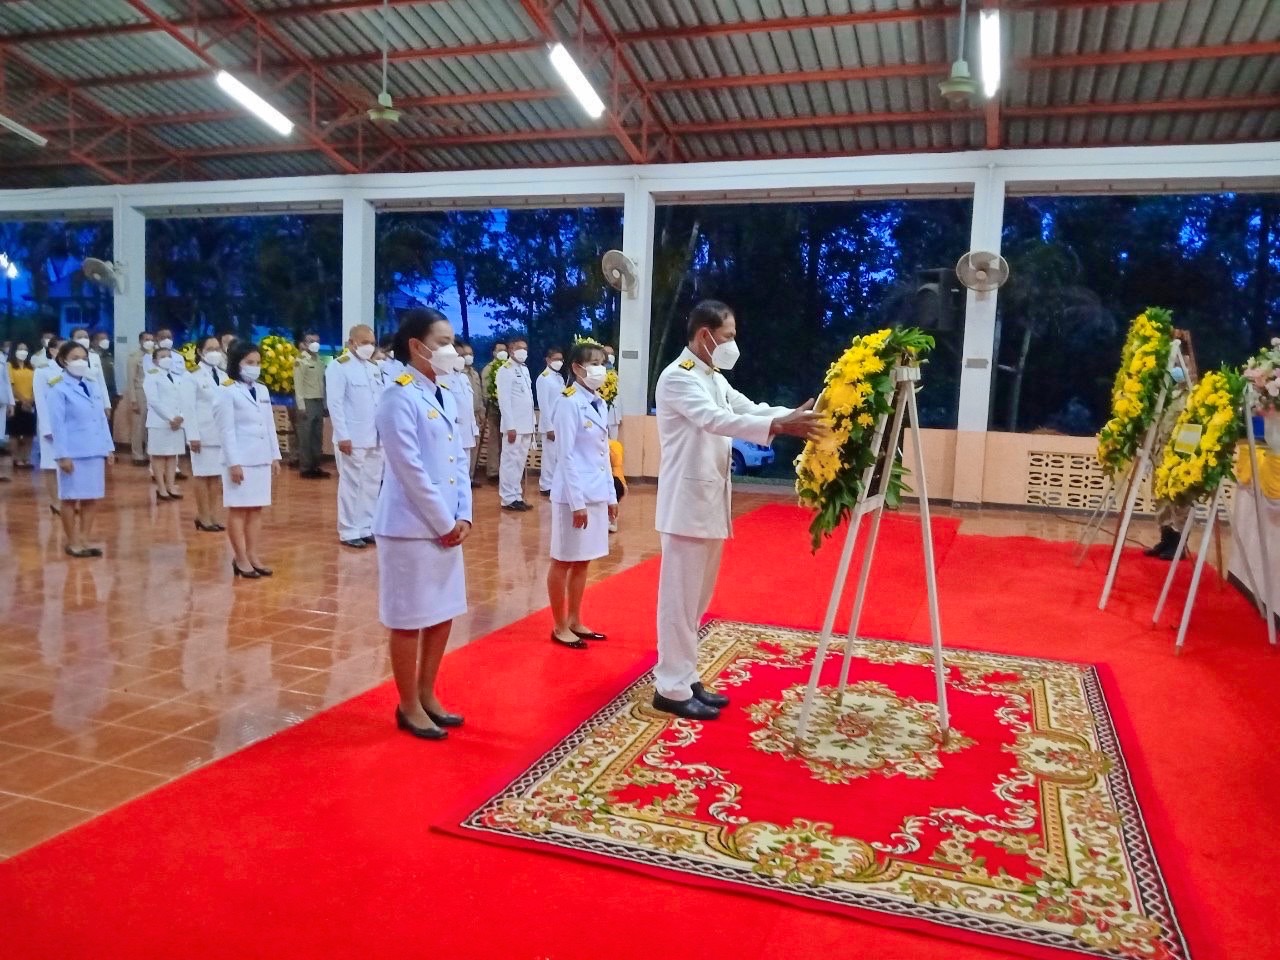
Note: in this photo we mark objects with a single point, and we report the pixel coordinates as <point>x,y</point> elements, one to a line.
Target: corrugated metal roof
<point>1105,73</point>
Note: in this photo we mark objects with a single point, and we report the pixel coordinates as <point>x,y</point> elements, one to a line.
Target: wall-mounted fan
<point>982,271</point>
<point>104,274</point>
<point>620,272</point>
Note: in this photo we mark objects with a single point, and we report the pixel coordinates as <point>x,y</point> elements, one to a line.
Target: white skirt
<point>163,442</point>
<point>420,583</point>
<point>86,481</point>
<point>207,461</point>
<point>572,545</point>
<point>254,491</point>
<point>47,462</point>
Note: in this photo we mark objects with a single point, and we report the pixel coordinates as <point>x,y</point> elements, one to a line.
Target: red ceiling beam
<point>1204,105</point>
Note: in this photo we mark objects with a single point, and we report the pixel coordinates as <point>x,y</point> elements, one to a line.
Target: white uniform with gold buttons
<point>426,490</point>
<point>352,388</point>
<point>549,387</point>
<point>515,403</point>
<point>699,414</point>
<point>165,401</point>
<point>248,430</point>
<point>583,479</point>
<point>200,391</point>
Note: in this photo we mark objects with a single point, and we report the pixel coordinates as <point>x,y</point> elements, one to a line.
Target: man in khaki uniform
<point>137,399</point>
<point>308,396</point>
<point>493,416</point>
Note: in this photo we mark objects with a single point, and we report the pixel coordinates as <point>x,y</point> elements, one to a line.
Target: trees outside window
<point>49,290</point>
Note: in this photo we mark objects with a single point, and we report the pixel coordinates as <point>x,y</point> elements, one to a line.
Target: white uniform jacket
<point>95,375</point>
<point>164,396</point>
<point>352,387</point>
<point>468,426</point>
<point>426,485</point>
<point>246,425</point>
<point>200,394</point>
<point>515,397</point>
<point>549,386</point>
<point>40,390</point>
<point>699,414</point>
<point>583,474</point>
<point>75,419</point>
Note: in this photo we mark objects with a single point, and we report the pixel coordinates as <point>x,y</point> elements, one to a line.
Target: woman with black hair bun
<point>422,519</point>
<point>250,455</point>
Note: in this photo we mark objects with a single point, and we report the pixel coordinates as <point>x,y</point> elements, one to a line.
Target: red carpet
<point>316,842</point>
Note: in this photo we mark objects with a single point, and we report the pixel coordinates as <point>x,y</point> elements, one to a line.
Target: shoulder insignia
<point>53,380</point>
<point>545,373</point>
<point>713,370</point>
<point>569,391</point>
<point>443,386</point>
<point>344,358</point>
<point>404,379</point>
<point>152,370</point>
<point>228,382</point>
<point>685,364</point>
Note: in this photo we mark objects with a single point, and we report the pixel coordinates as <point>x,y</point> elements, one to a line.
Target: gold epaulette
<point>53,380</point>
<point>404,379</point>
<point>685,365</point>
<point>228,382</point>
<point>344,358</point>
<point>569,391</point>
<point>151,370</point>
<point>443,386</point>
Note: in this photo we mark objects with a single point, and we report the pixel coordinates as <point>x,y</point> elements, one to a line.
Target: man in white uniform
<point>515,401</point>
<point>698,415</point>
<point>81,336</point>
<point>615,408</point>
<point>353,383</point>
<point>460,383</point>
<point>550,386</point>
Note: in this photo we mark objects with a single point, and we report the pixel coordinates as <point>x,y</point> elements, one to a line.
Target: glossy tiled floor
<point>118,675</point>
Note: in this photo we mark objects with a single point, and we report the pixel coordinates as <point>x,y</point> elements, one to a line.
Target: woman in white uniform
<point>583,500</point>
<point>250,455</point>
<point>200,391</point>
<point>166,440</point>
<point>422,519</point>
<point>82,445</point>
<point>40,388</point>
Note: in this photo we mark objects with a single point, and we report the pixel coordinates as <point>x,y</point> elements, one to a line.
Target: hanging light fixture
<point>960,86</point>
<point>264,111</point>
<point>989,37</point>
<point>576,81</point>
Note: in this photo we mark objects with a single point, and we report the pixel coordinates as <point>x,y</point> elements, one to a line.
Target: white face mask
<point>365,351</point>
<point>21,355</point>
<point>724,355</point>
<point>83,341</point>
<point>521,356</point>
<point>166,343</point>
<point>213,358</point>
<point>78,368</point>
<point>608,358</point>
<point>164,363</point>
<point>443,359</point>
<point>468,360</point>
<point>501,355</point>
<point>250,374</point>
<point>104,345</point>
<point>459,364</point>
<point>556,365</point>
<point>148,345</point>
<point>313,346</point>
<point>593,376</point>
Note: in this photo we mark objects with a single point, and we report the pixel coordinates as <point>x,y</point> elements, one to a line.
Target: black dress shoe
<point>322,474</point>
<point>358,544</point>
<point>423,733</point>
<point>710,697</point>
<point>263,571</point>
<point>369,541</point>
<point>571,644</point>
<point>513,507</point>
<point>247,574</point>
<point>522,506</point>
<point>588,635</point>
<point>445,719</point>
<point>691,709</point>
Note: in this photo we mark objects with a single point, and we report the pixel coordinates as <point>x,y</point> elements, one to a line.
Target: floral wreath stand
<point>886,446</point>
<point>1133,485</point>
<point>1261,596</point>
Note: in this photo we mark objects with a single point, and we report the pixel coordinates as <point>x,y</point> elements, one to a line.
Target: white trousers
<point>359,478</point>
<point>690,566</point>
<point>550,454</point>
<point>511,467</point>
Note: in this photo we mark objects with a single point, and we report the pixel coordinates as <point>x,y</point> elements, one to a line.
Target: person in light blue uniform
<point>583,499</point>
<point>423,517</point>
<point>82,445</point>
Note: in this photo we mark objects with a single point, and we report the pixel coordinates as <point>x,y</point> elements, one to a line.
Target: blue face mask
<point>1178,374</point>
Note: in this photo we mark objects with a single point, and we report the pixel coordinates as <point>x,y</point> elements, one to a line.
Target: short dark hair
<point>236,353</point>
<point>415,324</point>
<point>66,348</point>
<point>551,350</point>
<point>84,330</point>
<point>512,341</point>
<point>579,354</point>
<point>710,314</point>
<point>144,334</point>
<point>204,342</point>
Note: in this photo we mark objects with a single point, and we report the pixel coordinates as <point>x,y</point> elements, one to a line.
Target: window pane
<point>1082,267</point>
<point>42,286</point>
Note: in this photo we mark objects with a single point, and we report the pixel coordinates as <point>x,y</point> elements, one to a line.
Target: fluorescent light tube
<point>576,81</point>
<point>264,111</point>
<point>989,35</point>
<point>25,132</point>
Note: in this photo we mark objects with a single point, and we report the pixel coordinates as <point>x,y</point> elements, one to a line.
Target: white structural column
<point>979,346</point>
<point>634,320</point>
<point>129,249</point>
<point>358,232</point>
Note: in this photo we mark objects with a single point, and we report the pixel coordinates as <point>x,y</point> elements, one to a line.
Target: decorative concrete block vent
<point>1075,481</point>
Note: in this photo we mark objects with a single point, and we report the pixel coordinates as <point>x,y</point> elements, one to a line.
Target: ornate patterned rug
<point>1019,830</point>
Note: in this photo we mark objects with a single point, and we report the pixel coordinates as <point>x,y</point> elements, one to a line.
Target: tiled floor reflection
<point>118,675</point>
